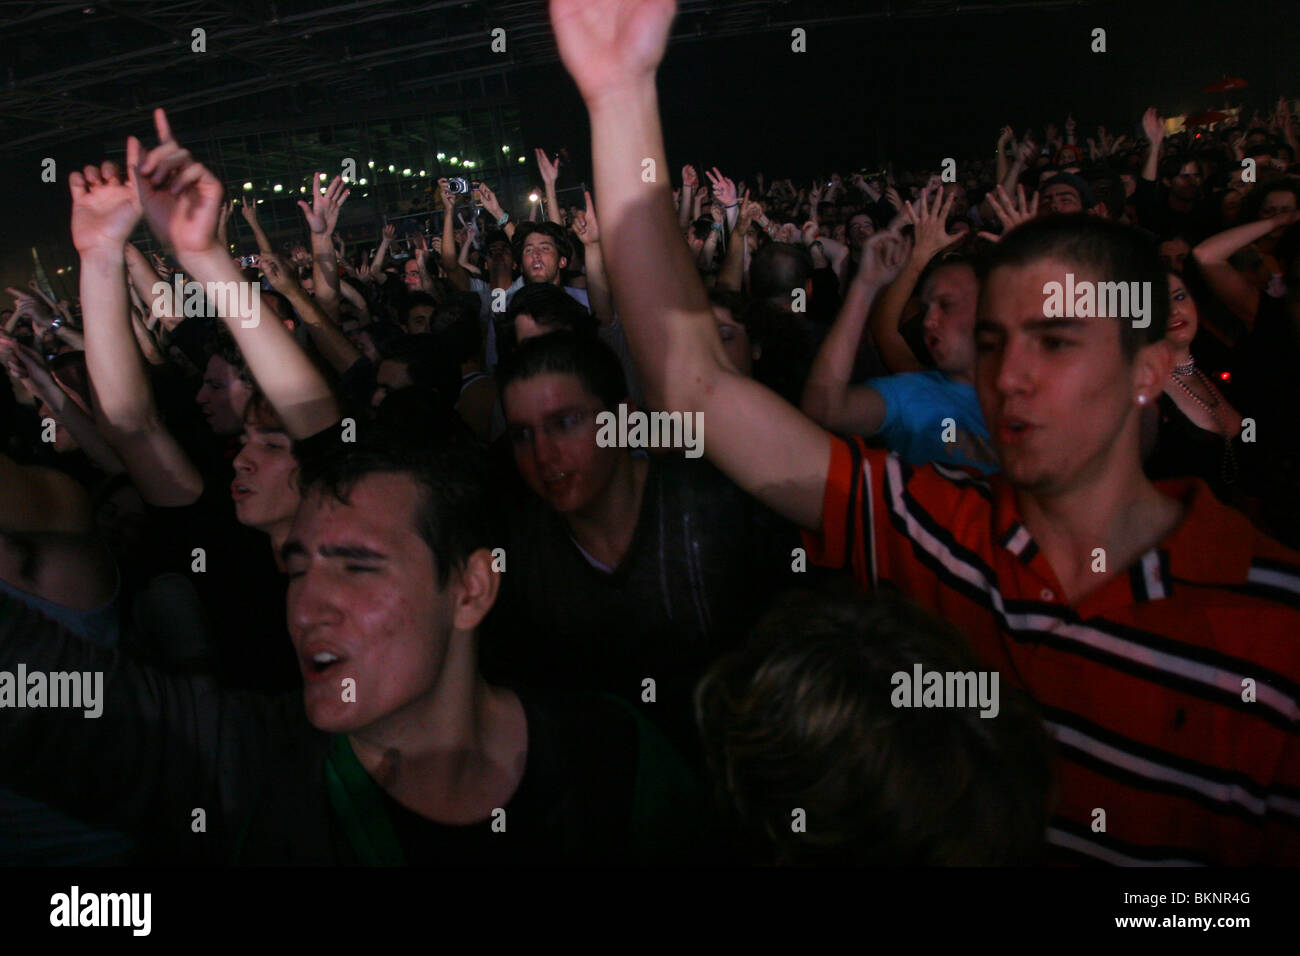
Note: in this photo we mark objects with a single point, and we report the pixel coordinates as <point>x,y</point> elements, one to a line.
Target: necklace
<point>1228,463</point>
<point>1188,367</point>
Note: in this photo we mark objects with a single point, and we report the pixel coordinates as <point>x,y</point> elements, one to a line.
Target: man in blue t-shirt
<point>925,414</point>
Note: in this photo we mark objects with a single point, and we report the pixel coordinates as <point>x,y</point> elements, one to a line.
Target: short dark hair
<point>428,363</point>
<point>453,517</point>
<point>777,269</point>
<point>1115,252</point>
<point>551,306</point>
<point>802,716</point>
<point>588,359</point>
<point>219,343</point>
<point>553,230</point>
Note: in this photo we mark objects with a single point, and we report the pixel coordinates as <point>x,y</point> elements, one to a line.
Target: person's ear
<point>564,262</point>
<point>1151,369</point>
<point>475,590</point>
<point>756,351</point>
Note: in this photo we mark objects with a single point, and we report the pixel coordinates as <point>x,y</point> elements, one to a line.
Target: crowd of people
<point>366,585</point>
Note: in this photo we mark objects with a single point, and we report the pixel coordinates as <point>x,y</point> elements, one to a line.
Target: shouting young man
<point>1154,627</point>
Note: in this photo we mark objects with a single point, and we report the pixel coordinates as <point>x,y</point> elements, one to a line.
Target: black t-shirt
<point>703,560</point>
<point>577,801</point>
<point>241,588</point>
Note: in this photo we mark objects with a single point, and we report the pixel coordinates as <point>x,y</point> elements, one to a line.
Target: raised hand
<point>1153,126</point>
<point>105,208</point>
<point>180,197</point>
<point>323,213</point>
<point>724,190</point>
<point>895,200</point>
<point>248,209</point>
<point>1027,150</point>
<point>611,47</point>
<point>931,222</point>
<point>448,197</point>
<point>277,272</point>
<point>1005,135</point>
<point>34,309</point>
<point>690,178</point>
<point>586,226</point>
<point>489,200</point>
<point>389,233</point>
<point>24,364</point>
<point>883,258</point>
<point>1011,212</point>
<point>549,170</point>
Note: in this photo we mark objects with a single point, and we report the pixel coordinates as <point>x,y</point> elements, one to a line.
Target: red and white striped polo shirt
<point>1142,684</point>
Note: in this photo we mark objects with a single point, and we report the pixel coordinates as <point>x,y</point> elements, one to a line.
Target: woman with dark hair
<point>1192,429</point>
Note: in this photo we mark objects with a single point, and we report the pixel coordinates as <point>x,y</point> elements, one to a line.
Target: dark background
<point>911,85</point>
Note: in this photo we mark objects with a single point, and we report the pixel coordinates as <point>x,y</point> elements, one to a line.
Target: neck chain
<point>1228,463</point>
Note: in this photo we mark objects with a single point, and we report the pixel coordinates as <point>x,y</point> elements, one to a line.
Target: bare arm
<point>248,209</point>
<point>381,254</point>
<point>322,216</point>
<point>598,294</point>
<point>457,276</point>
<point>1232,288</point>
<point>766,445</point>
<point>731,277</point>
<point>550,173</point>
<point>182,199</point>
<point>930,219</point>
<point>334,346</point>
<point>1154,127</point>
<point>104,211</point>
<point>26,364</point>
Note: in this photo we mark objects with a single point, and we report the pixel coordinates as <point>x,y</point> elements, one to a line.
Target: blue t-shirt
<point>922,409</point>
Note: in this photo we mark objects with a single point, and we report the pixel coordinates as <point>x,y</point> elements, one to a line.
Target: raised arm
<point>1154,128</point>
<point>26,364</point>
<point>105,208</point>
<point>731,277</point>
<point>1233,289</point>
<point>388,234</point>
<point>322,216</point>
<point>930,218</point>
<point>829,397</point>
<point>493,207</point>
<point>598,294</point>
<point>181,200</point>
<point>456,275</point>
<point>550,172</point>
<point>334,346</point>
<point>767,446</point>
<point>248,209</point>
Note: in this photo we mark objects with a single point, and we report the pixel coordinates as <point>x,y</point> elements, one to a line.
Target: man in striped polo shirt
<point>1156,629</point>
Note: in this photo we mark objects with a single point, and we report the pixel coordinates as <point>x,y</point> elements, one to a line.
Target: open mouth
<point>240,491</point>
<point>321,664</point>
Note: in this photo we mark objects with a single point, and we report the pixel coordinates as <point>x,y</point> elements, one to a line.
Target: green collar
<point>358,804</point>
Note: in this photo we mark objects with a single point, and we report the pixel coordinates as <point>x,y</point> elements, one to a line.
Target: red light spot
<point>1225,376</point>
